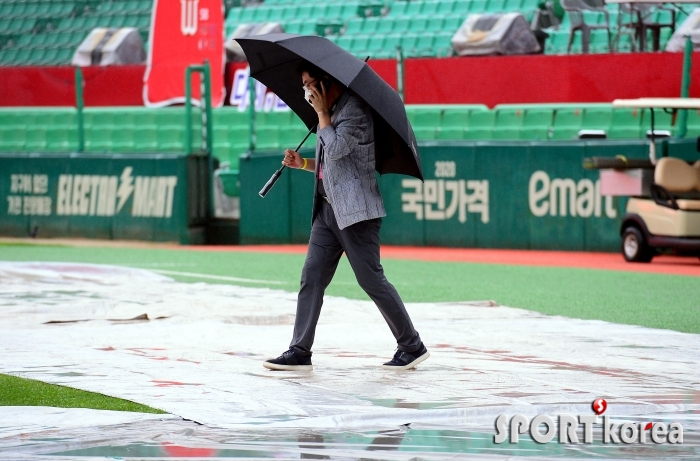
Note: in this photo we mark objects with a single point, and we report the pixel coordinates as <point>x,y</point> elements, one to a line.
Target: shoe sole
<point>273,366</point>
<point>413,364</point>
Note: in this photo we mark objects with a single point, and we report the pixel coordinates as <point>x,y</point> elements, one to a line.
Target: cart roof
<point>658,103</point>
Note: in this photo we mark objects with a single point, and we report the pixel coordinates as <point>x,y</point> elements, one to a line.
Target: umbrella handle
<point>276,175</point>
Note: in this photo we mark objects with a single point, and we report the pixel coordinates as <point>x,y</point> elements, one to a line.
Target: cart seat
<point>676,175</point>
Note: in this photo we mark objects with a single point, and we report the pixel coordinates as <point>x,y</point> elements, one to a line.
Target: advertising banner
<point>184,33</point>
<point>142,197</point>
<point>518,195</point>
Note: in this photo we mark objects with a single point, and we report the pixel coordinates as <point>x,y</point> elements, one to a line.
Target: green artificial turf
<point>651,300</point>
<point>16,391</point>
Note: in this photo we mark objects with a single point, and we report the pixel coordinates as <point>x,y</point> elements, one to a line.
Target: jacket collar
<point>339,104</point>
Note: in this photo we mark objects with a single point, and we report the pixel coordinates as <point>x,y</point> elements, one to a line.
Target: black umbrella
<point>273,60</point>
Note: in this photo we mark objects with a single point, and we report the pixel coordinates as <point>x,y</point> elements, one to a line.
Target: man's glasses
<point>308,85</point>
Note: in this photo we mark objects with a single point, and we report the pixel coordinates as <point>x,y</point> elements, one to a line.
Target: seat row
<point>339,11</point>
<point>538,122</point>
<point>140,129</point>
<point>384,45</point>
<point>163,130</point>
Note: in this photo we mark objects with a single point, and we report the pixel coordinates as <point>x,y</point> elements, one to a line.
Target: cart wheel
<point>634,246</point>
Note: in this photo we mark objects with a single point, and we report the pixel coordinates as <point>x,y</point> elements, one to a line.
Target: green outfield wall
<point>528,195</point>
<point>135,196</point>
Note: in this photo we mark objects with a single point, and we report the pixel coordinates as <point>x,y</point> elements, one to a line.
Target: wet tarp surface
<point>197,353</point>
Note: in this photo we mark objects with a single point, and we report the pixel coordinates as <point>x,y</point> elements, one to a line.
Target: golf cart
<point>663,211</point>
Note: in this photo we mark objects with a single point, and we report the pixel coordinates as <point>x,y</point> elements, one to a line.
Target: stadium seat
<point>425,133</point>
<point>512,6</point>
<point>495,6</point>
<point>98,140</point>
<point>391,41</point>
<point>345,42</point>
<point>509,121</point>
<point>354,26</point>
<point>450,133</point>
<point>597,118</point>
<point>454,123</point>
<point>145,138</point>
<point>453,23</point>
<point>268,137</point>
<point>334,12</point>
<point>418,24</point>
<point>481,123</point>
<point>477,6</point>
<point>61,139</point>
<point>413,8</point>
<point>12,139</point>
<point>429,8</point>
<point>376,44</point>
<point>171,139</point>
<point>567,123</point>
<point>662,121</point>
<point>350,9</point>
<point>455,117</point>
<point>125,140</point>
<point>361,43</point>
<point>409,43</point>
<point>369,26</point>
<point>435,24</point>
<point>626,124</point>
<point>537,124</point>
<point>446,7</point>
<point>462,8</point>
<point>398,8</point>
<point>386,26</point>
<point>402,25</point>
<point>290,136</point>
<point>278,119</point>
<point>423,117</point>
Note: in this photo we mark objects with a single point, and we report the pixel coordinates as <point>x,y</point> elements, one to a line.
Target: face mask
<point>307,95</point>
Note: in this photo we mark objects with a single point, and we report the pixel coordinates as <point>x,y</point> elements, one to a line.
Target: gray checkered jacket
<point>348,164</point>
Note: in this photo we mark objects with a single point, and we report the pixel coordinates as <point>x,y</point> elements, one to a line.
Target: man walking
<point>346,217</point>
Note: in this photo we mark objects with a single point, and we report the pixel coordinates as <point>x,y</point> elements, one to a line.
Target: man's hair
<point>311,69</point>
<point>314,71</point>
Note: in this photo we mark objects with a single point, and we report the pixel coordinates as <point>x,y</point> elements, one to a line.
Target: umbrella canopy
<point>273,60</point>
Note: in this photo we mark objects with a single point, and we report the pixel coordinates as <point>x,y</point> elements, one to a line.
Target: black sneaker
<point>289,360</point>
<point>407,360</point>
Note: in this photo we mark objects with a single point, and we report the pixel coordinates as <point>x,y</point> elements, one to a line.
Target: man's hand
<point>319,98</point>
<point>292,159</point>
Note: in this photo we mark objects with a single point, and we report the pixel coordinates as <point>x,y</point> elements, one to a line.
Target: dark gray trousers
<point>360,242</point>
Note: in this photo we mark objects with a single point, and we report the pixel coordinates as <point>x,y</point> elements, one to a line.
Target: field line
<point>217,277</point>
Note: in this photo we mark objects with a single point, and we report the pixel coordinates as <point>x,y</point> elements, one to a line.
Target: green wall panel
<point>267,220</point>
<point>553,216</point>
<point>534,195</point>
<point>449,222</point>
<point>503,165</point>
<point>399,228</point>
<point>135,196</point>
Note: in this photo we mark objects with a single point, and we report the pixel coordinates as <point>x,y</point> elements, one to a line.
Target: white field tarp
<point>199,356</point>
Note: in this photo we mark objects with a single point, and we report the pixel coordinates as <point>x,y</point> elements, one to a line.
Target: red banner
<point>483,80</point>
<point>183,33</point>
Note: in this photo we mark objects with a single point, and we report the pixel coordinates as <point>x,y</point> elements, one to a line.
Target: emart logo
<point>627,433</point>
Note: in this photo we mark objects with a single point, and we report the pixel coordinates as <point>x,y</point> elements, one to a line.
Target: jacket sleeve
<point>342,139</point>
